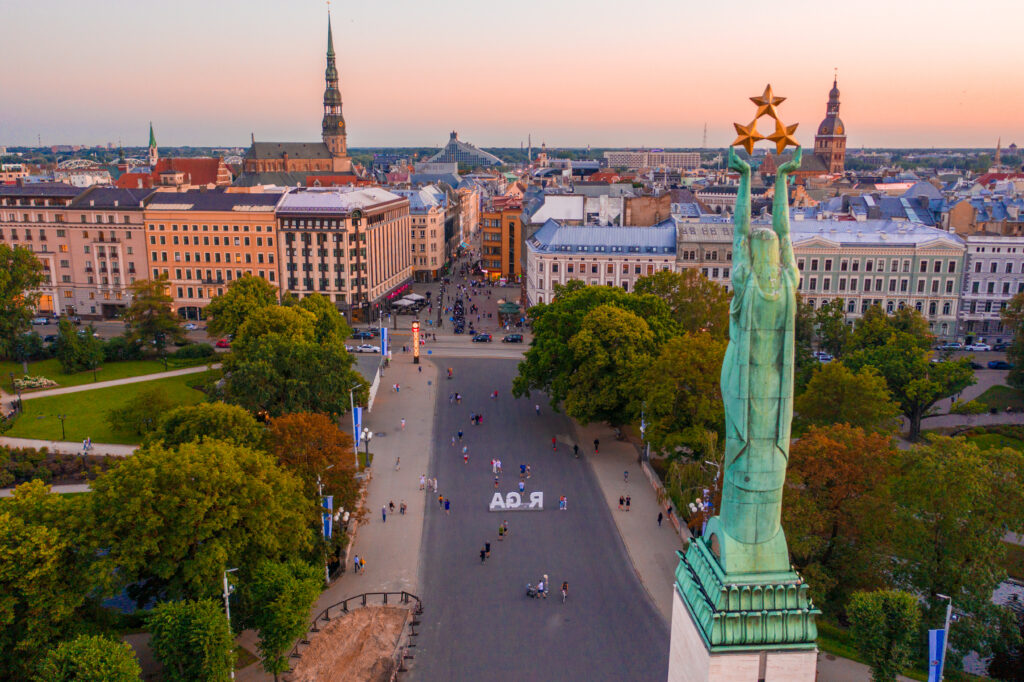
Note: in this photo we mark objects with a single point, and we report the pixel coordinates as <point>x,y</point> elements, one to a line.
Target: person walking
<point>495,482</point>
<point>483,555</point>
<point>459,434</point>
<point>540,588</point>
<point>398,463</point>
<point>575,450</point>
<point>622,502</point>
<point>402,508</point>
<point>384,513</point>
<point>391,506</point>
<point>547,586</point>
<point>660,517</point>
<point>403,423</point>
<point>625,476</point>
<point>447,506</point>
<point>554,443</point>
<point>487,548</point>
<point>355,564</point>
<point>423,481</point>
<point>628,500</point>
<point>440,501</point>
<point>435,484</point>
<point>536,408</point>
<point>565,590</point>
<point>465,454</point>
<point>527,471</point>
<point>597,445</point>
<point>362,564</point>
<point>501,533</point>
<point>522,486</point>
<point>504,524</point>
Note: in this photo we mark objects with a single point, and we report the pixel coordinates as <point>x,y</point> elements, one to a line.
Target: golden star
<point>748,135</point>
<point>783,136</point>
<point>766,103</point>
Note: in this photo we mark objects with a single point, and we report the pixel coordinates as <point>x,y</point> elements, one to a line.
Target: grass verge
<point>86,411</point>
<point>1001,397</point>
<point>1014,562</point>
<point>108,372</point>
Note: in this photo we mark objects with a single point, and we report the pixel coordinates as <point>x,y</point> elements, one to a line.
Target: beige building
<point>90,243</point>
<point>353,246</point>
<point>427,216</point>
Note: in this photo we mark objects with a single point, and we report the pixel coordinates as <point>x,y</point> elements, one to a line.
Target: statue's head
<point>764,248</point>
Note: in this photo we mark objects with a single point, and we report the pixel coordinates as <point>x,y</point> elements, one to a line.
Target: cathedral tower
<point>830,142</point>
<point>334,123</point>
<point>154,155</point>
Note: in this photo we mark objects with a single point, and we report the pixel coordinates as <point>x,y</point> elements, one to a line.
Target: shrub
<point>140,414</point>
<point>26,382</point>
<point>119,348</point>
<point>194,351</point>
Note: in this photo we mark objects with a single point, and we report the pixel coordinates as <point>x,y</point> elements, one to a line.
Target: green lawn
<point>1001,397</point>
<point>109,371</point>
<point>988,441</point>
<point>1014,563</point>
<point>87,411</point>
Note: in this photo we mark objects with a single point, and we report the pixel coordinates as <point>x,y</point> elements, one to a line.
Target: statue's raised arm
<point>741,217</point>
<point>780,209</point>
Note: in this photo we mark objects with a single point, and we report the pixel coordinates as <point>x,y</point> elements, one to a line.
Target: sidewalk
<point>69,488</point>
<point>117,382</point>
<point>69,447</point>
<point>391,549</point>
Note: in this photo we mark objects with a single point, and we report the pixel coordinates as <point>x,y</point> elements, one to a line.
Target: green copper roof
<point>152,137</point>
<point>330,37</point>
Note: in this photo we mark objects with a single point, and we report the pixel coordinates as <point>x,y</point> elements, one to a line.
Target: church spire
<point>333,126</point>
<point>154,155</point>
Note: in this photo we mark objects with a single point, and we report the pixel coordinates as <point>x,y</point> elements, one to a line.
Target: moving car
<point>823,357</point>
<point>512,338</point>
<point>482,338</point>
<point>981,347</point>
<point>362,335</point>
<point>999,364</point>
<point>40,320</point>
<point>191,327</point>
<point>223,343</point>
<point>367,348</point>
<point>952,345</point>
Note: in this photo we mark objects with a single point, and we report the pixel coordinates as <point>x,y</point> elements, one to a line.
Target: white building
<point>994,273</point>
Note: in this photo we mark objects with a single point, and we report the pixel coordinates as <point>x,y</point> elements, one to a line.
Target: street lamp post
<point>228,589</point>
<point>945,632</point>
<point>367,435</point>
<point>62,417</point>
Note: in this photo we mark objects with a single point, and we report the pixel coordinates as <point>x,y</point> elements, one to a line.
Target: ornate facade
<point>830,142</point>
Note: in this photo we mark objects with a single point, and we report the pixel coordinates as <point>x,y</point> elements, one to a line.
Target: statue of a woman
<point>757,385</point>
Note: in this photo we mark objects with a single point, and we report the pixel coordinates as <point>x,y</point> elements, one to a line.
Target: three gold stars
<point>747,135</point>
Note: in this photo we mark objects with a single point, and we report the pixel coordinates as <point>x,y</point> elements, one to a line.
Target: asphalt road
<point>478,624</point>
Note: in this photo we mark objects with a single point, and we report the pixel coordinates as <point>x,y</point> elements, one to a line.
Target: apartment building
<point>502,238</point>
<point>427,217</point>
<point>205,239</point>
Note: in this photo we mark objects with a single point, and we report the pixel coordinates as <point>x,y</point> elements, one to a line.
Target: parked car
<point>977,365</point>
<point>999,364</point>
<point>50,338</point>
<point>367,348</point>
<point>223,343</point>
<point>482,338</point>
<point>952,345</point>
<point>823,357</point>
<point>978,347</point>
<point>512,338</point>
<point>362,335</point>
<point>40,320</point>
<point>191,327</point>
<point>1001,347</point>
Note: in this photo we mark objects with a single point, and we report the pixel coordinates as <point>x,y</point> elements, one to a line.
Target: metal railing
<point>343,608</point>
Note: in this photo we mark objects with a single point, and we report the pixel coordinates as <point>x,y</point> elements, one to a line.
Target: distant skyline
<point>913,73</point>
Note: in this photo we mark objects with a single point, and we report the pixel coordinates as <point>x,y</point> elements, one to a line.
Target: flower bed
<point>26,383</point>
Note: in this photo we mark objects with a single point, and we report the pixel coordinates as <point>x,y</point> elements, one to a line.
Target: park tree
<point>276,600</point>
<point>150,320</point>
<point>77,351</point>
<point>689,476</point>
<point>192,640</point>
<point>830,327</point>
<point>280,375</point>
<point>21,275</point>
<point>172,519</point>
<point>247,294</point>
<point>682,393</point>
<point>610,352</point>
<point>1013,321</point>
<point>141,413</point>
<point>915,382</point>
<point>329,325</point>
<point>837,395</point>
<point>838,509</point>
<point>307,443</point>
<point>885,625</point>
<point>875,328</point>
<point>90,658</point>
<point>294,324</point>
<point>219,421</point>
<point>550,364</point>
<point>696,303</point>
<point>954,504</point>
<point>804,362</point>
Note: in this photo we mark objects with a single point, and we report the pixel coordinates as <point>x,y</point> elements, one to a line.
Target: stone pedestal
<point>742,627</point>
<point>690,661</point>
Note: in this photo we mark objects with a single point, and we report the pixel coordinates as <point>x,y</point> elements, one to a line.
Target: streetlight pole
<point>228,589</point>
<point>323,528</point>
<point>945,632</point>
<point>367,435</point>
<point>355,432</point>
<point>61,417</point>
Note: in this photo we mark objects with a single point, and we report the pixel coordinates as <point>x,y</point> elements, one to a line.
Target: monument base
<point>690,661</point>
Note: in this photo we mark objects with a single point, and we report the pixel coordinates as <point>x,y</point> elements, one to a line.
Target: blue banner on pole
<point>357,423</point>
<point>328,516</point>
<point>384,341</point>
<point>936,649</point>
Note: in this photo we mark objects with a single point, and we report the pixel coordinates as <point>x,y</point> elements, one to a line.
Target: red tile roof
<point>196,171</point>
<point>340,180</point>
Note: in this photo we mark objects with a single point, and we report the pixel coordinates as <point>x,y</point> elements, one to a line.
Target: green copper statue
<point>757,385</point>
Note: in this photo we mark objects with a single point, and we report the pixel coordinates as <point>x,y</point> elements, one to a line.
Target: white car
<point>978,347</point>
<point>367,348</point>
<point>191,327</point>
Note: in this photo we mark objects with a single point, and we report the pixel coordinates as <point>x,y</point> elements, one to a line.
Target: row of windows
<point>209,258</point>
<point>1007,287</point>
<point>323,253</point>
<point>423,234</point>
<point>216,228</point>
<point>238,241</point>
<point>63,233</point>
<point>875,265</point>
<point>609,268</point>
<point>878,284</point>
<point>994,267</point>
<point>423,247</point>
<point>325,267</point>
<point>307,238</point>
<point>890,306</point>
<point>61,218</point>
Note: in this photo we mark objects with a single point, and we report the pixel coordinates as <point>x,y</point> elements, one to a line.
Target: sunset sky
<point>571,72</point>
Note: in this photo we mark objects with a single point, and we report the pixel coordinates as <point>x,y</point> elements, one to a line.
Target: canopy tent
<point>402,303</point>
<point>508,308</point>
<point>414,297</point>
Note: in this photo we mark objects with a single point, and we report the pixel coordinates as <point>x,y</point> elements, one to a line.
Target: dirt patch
<point>357,647</point>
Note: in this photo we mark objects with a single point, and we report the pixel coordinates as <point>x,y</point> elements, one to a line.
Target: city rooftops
<point>335,199</point>
<point>841,232</point>
<point>553,237</point>
<point>40,189</point>
<point>213,200</point>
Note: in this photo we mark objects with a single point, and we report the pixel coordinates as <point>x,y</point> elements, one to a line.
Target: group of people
<point>544,586</point>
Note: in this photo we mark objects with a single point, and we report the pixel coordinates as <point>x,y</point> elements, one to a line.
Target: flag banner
<point>384,341</point>
<point>357,424</point>
<point>328,502</point>
<point>936,642</point>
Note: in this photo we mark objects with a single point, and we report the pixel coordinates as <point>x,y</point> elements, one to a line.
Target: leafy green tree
<point>1008,662</point>
<point>173,518</point>
<point>192,640</point>
<point>91,658</point>
<point>884,625</point>
<point>21,275</point>
<point>955,503</point>
<point>280,375</point>
<point>836,395</point>
<point>687,477</point>
<point>696,303</point>
<point>915,382</point>
<point>141,414</point>
<point>682,393</point>
<point>1013,321</point>
<point>277,598</point>
<point>804,362</point>
<point>838,509</point>
<point>329,326</point>
<point>550,365</point>
<point>875,328</point>
<point>293,324</point>
<point>204,421</point>
<point>149,320</point>
<point>77,351</point>
<point>247,294</point>
<point>831,328</point>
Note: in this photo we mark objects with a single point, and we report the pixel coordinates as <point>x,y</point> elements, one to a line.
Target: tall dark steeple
<point>334,122</point>
<point>830,142</point>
